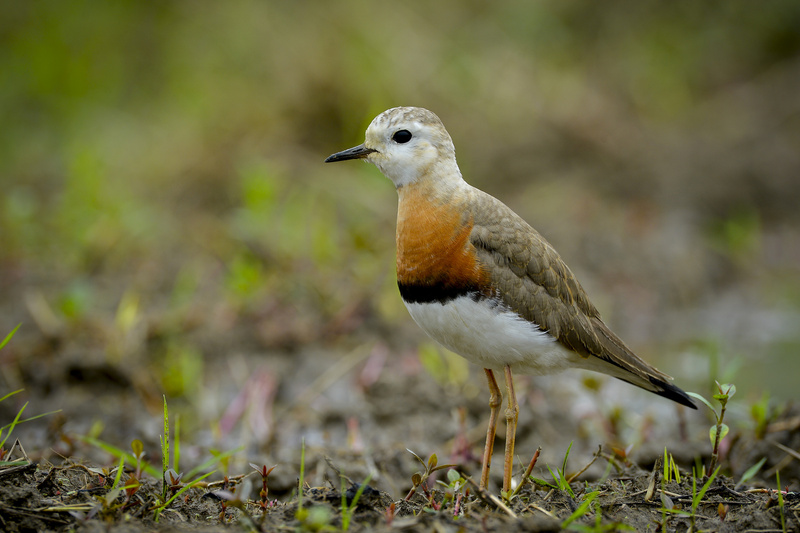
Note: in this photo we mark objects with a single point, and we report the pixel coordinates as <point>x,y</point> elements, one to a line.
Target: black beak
<point>357,152</point>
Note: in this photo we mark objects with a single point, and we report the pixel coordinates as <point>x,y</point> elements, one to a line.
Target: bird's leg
<point>512,412</point>
<point>495,400</point>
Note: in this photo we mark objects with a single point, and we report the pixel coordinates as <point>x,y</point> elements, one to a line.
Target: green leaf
<point>12,393</point>
<point>12,424</point>
<point>566,457</point>
<point>712,433</point>
<point>581,510</point>
<point>8,338</point>
<point>453,475</point>
<point>698,497</point>
<point>698,397</point>
<point>116,452</point>
<point>729,388</point>
<point>432,462</point>
<point>543,483</point>
<point>137,447</point>
<point>222,456</point>
<point>752,471</point>
<point>176,443</point>
<point>165,442</point>
<point>174,496</point>
<point>120,468</point>
<point>676,470</point>
<point>34,417</point>
<point>420,459</point>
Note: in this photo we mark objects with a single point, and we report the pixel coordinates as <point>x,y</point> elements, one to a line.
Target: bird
<point>482,282</point>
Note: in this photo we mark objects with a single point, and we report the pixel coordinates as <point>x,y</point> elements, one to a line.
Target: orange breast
<point>435,260</point>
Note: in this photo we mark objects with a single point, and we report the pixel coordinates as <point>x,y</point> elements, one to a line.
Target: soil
<point>73,497</point>
<point>352,427</point>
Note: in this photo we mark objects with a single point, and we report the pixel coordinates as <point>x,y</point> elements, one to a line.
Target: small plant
<point>316,518</point>
<point>761,415</point>
<point>165,453</point>
<point>228,490</point>
<point>135,458</point>
<point>134,480</point>
<point>719,429</point>
<point>752,471</point>
<point>671,470</point>
<point>697,497</point>
<point>302,474</point>
<point>8,428</point>
<point>421,478</point>
<point>598,526</point>
<point>582,509</point>
<point>263,496</point>
<point>780,502</point>
<point>8,337</point>
<point>453,491</point>
<point>560,475</point>
<point>172,482</point>
<point>389,514</point>
<point>349,508</point>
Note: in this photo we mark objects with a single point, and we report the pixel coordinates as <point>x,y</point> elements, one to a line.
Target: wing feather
<point>531,279</point>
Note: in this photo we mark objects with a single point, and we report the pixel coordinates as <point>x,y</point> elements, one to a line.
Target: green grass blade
<point>8,338</point>
<point>581,510</point>
<point>165,452</point>
<point>34,417</point>
<point>752,471</point>
<point>699,496</point>
<point>780,501</point>
<point>176,444</point>
<point>11,394</point>
<point>120,468</point>
<point>116,452</point>
<point>543,483</point>
<point>196,470</point>
<point>12,425</point>
<point>184,489</point>
<point>566,457</point>
<point>347,510</point>
<point>302,475</point>
<point>165,441</point>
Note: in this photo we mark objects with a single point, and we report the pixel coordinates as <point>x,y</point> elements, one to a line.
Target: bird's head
<point>407,144</point>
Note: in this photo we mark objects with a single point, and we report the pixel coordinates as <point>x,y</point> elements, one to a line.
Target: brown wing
<point>532,280</point>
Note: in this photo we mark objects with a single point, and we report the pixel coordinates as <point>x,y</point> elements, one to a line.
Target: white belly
<point>492,336</point>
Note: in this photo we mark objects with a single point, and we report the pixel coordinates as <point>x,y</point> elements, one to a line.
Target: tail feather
<point>662,388</point>
<point>651,383</point>
<point>676,394</point>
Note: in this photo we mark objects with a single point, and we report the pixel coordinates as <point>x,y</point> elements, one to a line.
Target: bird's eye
<point>401,136</point>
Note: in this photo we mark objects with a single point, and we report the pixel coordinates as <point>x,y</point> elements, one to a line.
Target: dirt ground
<point>356,424</point>
<point>72,497</point>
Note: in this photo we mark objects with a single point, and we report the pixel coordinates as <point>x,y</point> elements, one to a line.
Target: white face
<point>408,143</point>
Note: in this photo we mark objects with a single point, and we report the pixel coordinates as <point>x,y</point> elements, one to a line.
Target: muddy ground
<point>356,419</point>
<point>72,497</point>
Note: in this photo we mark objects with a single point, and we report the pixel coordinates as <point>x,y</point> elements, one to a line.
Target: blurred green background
<point>164,204</point>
